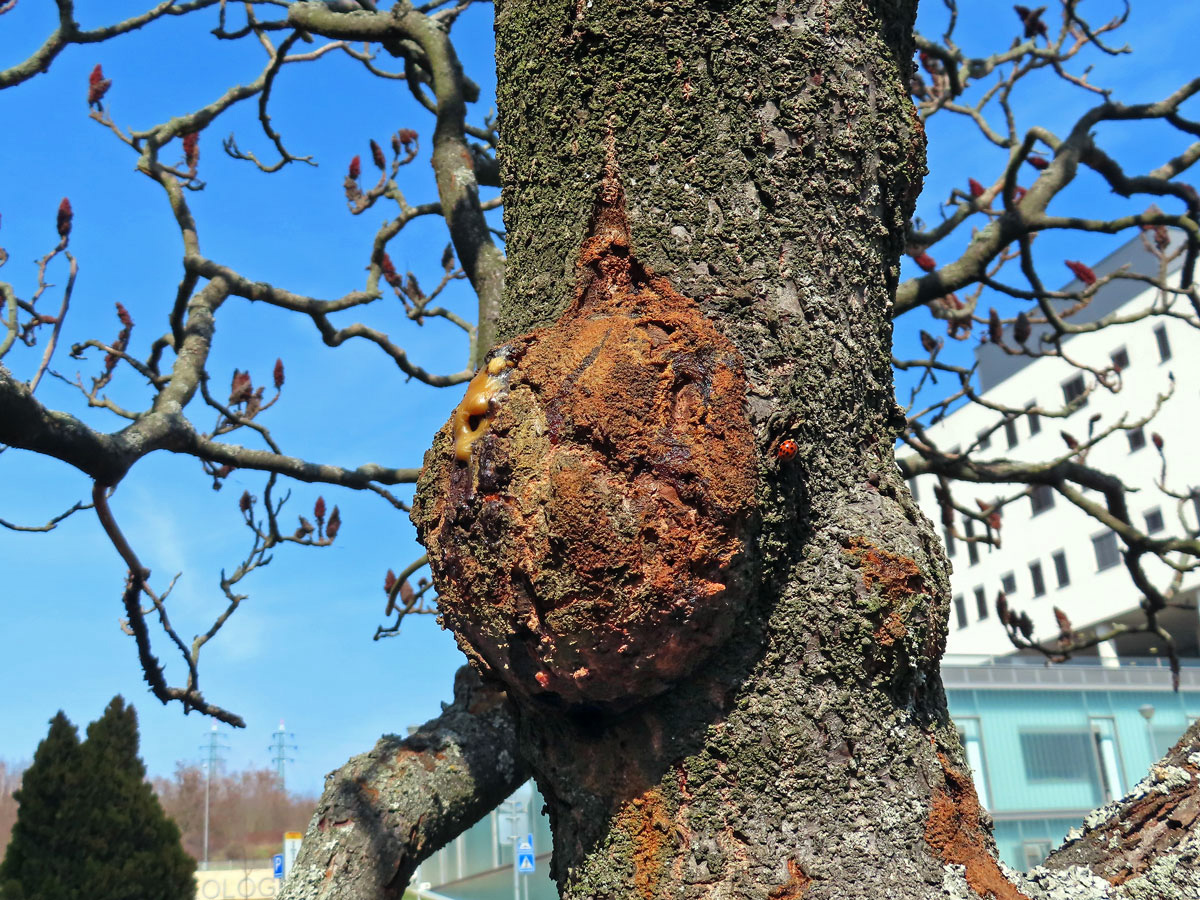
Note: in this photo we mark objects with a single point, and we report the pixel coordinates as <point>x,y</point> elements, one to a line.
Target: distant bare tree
<point>10,780</point>
<point>248,811</point>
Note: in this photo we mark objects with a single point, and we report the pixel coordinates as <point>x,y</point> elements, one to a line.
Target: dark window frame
<point>1120,359</point>
<point>1041,498</point>
<point>1010,433</point>
<point>1136,438</point>
<point>981,604</point>
<point>1062,573</point>
<point>1164,342</point>
<point>1154,520</point>
<point>1035,421</point>
<point>1074,388</point>
<point>1108,553</point>
<point>1037,578</point>
<point>972,547</point>
<point>1008,583</point>
<point>960,611</point>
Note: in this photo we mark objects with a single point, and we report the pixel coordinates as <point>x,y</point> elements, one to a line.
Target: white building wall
<point>1094,595</point>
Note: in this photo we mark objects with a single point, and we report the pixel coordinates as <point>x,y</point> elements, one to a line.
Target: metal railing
<point>965,671</point>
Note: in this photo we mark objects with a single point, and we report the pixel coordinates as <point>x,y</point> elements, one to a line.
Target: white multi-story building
<point>1052,553</point>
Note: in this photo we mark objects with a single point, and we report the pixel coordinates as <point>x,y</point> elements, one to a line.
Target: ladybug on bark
<point>787,451</point>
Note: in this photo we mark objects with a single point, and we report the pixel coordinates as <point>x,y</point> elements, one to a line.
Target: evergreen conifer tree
<point>44,838</point>
<point>89,825</point>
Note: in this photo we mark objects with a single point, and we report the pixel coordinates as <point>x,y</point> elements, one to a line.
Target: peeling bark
<point>1146,843</point>
<point>385,811</point>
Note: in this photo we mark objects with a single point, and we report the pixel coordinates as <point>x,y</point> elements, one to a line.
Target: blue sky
<point>300,648</point>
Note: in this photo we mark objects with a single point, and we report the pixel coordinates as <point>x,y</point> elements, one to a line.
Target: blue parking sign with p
<point>277,862</point>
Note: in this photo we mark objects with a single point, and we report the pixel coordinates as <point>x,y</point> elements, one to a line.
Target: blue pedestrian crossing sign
<point>277,862</point>
<point>525,863</point>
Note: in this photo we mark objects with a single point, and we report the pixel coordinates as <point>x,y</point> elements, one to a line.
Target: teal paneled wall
<point>1043,767</point>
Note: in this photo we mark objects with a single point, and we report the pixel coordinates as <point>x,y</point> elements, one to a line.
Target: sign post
<point>291,847</point>
<point>524,861</point>
<point>277,864</point>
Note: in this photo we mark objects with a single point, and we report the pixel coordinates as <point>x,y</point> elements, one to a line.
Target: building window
<point>1035,422</point>
<point>1058,756</point>
<point>1010,433</point>
<point>981,603</point>
<point>1107,554</point>
<point>971,734</point>
<point>1073,389</point>
<point>1164,345</point>
<point>1035,575</point>
<point>1008,582</point>
<point>1154,520</point>
<point>949,536</point>
<point>1060,569</point>
<point>983,440</point>
<point>972,547</point>
<point>1137,439</point>
<point>1035,852</point>
<point>1041,498</point>
<point>1104,738</point>
<point>960,611</point>
<point>1120,359</point>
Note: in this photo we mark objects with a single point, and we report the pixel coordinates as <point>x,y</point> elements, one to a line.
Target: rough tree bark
<point>768,156</point>
<point>722,661</point>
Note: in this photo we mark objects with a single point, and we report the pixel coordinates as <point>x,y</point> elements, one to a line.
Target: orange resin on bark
<point>471,418</point>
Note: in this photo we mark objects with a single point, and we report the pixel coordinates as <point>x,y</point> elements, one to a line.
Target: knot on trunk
<point>588,510</point>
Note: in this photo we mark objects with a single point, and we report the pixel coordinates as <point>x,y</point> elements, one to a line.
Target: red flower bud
<point>406,136</point>
<point>334,525</point>
<point>65,215</point>
<point>241,389</point>
<point>1037,162</point>
<point>977,189</point>
<point>995,328</point>
<point>191,149</point>
<point>1158,441</point>
<point>388,270</point>
<point>98,86</point>
<point>1082,272</point>
<point>124,317</point>
<point>245,502</point>
<point>319,509</point>
<point>377,156</point>
<point>278,374</point>
<point>355,168</point>
<point>925,261</point>
<point>389,581</point>
<point>1022,329</point>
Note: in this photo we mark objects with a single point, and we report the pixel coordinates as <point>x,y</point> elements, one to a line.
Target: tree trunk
<point>755,162</point>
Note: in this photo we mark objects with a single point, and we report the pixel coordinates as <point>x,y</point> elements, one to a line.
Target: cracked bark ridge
<point>590,547</point>
<point>385,811</point>
<point>1146,843</point>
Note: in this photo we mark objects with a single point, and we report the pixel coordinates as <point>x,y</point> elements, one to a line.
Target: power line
<point>213,750</point>
<point>279,748</point>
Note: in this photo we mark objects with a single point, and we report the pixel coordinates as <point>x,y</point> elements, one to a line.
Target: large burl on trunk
<point>589,508</point>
